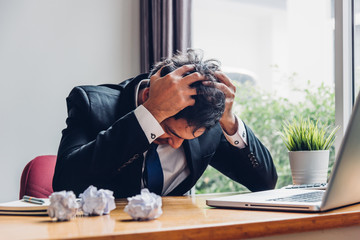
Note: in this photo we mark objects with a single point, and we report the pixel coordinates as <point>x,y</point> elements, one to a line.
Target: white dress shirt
<point>173,161</point>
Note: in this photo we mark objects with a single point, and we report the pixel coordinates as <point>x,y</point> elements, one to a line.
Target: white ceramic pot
<point>309,166</point>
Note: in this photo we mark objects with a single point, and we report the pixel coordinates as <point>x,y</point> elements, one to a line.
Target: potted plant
<point>308,146</point>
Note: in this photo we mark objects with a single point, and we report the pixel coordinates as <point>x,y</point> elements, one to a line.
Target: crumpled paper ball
<point>145,206</point>
<point>63,205</point>
<point>96,202</point>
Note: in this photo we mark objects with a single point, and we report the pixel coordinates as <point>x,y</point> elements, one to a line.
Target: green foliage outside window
<point>265,113</point>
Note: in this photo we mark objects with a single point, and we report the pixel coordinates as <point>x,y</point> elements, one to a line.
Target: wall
<point>46,48</point>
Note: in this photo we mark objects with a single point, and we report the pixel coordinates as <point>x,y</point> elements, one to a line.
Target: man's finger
<point>225,79</point>
<point>221,86</point>
<point>194,77</point>
<point>184,69</point>
<point>157,74</point>
<point>191,101</point>
<point>191,92</point>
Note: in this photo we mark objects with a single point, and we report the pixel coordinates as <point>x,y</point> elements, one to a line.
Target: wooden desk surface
<point>183,218</point>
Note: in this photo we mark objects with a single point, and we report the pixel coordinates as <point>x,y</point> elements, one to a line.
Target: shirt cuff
<point>148,123</point>
<point>239,139</point>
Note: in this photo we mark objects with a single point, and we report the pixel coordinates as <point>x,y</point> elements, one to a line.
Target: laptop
<point>342,189</point>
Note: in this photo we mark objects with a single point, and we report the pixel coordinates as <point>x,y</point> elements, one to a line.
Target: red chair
<point>36,178</point>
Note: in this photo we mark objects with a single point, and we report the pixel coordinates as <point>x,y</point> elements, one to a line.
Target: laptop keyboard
<point>313,196</point>
<point>321,186</point>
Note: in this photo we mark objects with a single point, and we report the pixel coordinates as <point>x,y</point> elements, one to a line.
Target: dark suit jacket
<point>103,145</point>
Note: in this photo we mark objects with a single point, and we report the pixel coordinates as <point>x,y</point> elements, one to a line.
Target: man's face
<point>176,131</point>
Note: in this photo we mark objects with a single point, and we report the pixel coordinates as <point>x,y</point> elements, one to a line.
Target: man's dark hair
<point>209,101</point>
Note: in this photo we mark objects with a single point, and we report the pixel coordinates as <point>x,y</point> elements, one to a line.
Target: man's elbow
<point>268,182</point>
<point>273,181</point>
<point>61,179</point>
<point>57,184</point>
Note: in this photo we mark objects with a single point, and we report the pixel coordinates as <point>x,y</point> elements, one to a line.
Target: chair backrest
<point>36,178</point>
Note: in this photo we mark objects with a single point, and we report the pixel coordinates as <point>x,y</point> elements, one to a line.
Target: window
<point>357,46</point>
<point>280,53</point>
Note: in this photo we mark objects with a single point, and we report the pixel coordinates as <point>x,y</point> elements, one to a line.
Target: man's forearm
<point>251,166</point>
<point>83,157</point>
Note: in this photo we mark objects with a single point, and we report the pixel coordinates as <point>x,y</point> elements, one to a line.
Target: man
<point>159,133</point>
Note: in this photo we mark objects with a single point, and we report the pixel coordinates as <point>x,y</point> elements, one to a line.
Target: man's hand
<point>228,121</point>
<point>172,93</point>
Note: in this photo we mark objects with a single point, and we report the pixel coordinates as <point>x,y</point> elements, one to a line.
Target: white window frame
<point>344,65</point>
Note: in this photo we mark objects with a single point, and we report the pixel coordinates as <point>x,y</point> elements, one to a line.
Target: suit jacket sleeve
<point>251,166</point>
<point>87,156</point>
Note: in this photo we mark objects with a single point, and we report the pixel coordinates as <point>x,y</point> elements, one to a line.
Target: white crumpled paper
<point>96,202</point>
<point>145,206</point>
<point>63,205</point>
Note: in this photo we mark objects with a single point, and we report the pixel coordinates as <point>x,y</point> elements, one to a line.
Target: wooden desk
<point>183,218</point>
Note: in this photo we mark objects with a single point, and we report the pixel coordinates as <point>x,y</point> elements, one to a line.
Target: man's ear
<point>145,95</point>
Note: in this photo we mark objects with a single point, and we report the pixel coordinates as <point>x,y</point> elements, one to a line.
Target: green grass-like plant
<point>305,135</point>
